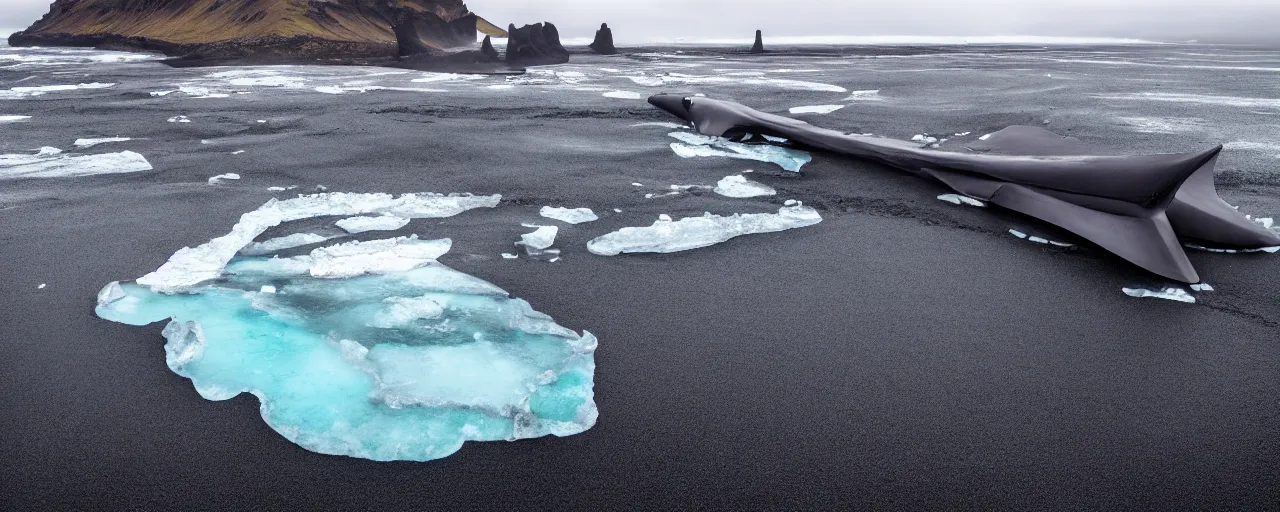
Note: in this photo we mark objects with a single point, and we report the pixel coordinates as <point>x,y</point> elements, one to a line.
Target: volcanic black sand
<point>905,353</point>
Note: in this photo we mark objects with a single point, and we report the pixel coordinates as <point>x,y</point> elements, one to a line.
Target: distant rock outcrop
<point>487,51</point>
<point>300,30</point>
<point>603,44</point>
<point>535,45</point>
<point>759,46</point>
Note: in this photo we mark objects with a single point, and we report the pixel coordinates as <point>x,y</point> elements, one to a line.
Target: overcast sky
<point>639,21</point>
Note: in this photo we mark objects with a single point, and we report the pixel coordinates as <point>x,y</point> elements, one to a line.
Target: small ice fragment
<point>1266,222</point>
<point>673,126</point>
<point>569,215</point>
<point>238,152</point>
<point>13,119</point>
<point>555,259</point>
<point>816,109</point>
<point>267,289</point>
<point>179,119</point>
<point>623,95</point>
<point>617,210</point>
<point>41,287</point>
<point>985,137</point>
<point>262,120</point>
<point>771,138</point>
<point>1061,244</point>
<point>739,186</point>
<point>962,134</point>
<point>792,202</point>
<point>355,225</point>
<point>666,235</point>
<point>638,184</point>
<point>1038,240</point>
<point>509,256</point>
<point>214,180</point>
<point>88,143</point>
<point>1018,234</point>
<point>924,139</point>
<point>542,238</point>
<point>1175,294</point>
<point>1202,287</point>
<point>962,200</point>
<point>697,145</point>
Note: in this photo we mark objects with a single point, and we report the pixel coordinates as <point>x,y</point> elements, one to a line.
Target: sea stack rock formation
<point>759,46</point>
<point>535,45</point>
<point>487,51</point>
<point>603,44</point>
<point>301,30</point>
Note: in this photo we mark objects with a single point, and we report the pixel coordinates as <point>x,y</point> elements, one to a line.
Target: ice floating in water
<point>1202,287</point>
<point>53,163</point>
<point>697,145</point>
<point>924,139</point>
<point>540,240</point>
<point>959,199</point>
<point>281,243</point>
<point>1036,239</point>
<point>379,223</point>
<point>740,186</point>
<point>667,79</point>
<point>88,143</point>
<point>13,119</point>
<point>214,180</point>
<point>280,189</point>
<point>446,77</point>
<point>666,235</point>
<point>509,256</point>
<point>985,137</point>
<point>816,109</point>
<point>404,365</point>
<point>672,126</point>
<point>23,92</point>
<point>569,215</point>
<point>179,119</point>
<point>190,266</point>
<point>623,95</point>
<point>1176,294</point>
<point>871,95</point>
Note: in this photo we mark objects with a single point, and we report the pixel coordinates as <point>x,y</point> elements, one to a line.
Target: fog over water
<point>1230,21</point>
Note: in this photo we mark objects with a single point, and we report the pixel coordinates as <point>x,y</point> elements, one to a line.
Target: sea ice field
<point>224,282</point>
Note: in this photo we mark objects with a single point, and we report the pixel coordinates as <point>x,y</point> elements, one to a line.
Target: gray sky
<point>639,21</point>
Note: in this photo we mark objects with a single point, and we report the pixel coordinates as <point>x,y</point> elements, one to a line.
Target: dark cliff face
<point>241,28</point>
<point>535,45</point>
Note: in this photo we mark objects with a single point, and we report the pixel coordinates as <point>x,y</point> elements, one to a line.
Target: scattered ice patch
<point>215,180</point>
<point>24,92</point>
<point>666,235</point>
<point>509,256</point>
<point>282,189</point>
<point>623,95</point>
<point>53,163</point>
<point>446,77</point>
<point>88,143</point>
<point>238,152</point>
<point>1202,287</point>
<point>959,199</point>
<point>190,267</point>
<point>672,126</point>
<point>179,119</point>
<point>816,109</point>
<point>697,145</point>
<point>569,215</point>
<point>42,286</point>
<point>985,137</point>
<point>13,119</point>
<point>739,186</point>
<point>355,225</point>
<point>282,243</point>
<point>1171,293</point>
<point>924,139</point>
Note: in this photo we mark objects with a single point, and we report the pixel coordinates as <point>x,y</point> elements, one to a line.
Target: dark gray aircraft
<point>1140,208</point>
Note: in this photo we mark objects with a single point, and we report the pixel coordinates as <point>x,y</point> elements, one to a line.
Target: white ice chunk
<point>1202,287</point>
<point>88,143</point>
<point>281,243</point>
<point>959,199</point>
<point>41,287</point>
<point>191,266</point>
<point>509,256</point>
<point>376,257</point>
<point>697,145</point>
<point>13,119</point>
<point>623,95</point>
<point>53,163</point>
<point>379,223</point>
<point>1018,234</point>
<point>569,215</point>
<point>666,235</point>
<point>816,109</point>
<point>985,137</point>
<point>1175,294</point>
<point>868,95</point>
<point>179,119</point>
<point>672,126</point>
<point>740,186</point>
<point>214,180</point>
<point>541,239</point>
<point>24,92</point>
<point>924,139</point>
<point>267,289</point>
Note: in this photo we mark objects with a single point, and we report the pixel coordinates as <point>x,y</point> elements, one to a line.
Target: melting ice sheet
<point>396,362</point>
<point>666,235</point>
<point>53,163</point>
<point>697,145</point>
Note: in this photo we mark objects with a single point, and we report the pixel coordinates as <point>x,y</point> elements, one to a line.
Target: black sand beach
<point>905,353</point>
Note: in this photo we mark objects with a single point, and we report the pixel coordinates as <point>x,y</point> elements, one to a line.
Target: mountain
<point>292,29</point>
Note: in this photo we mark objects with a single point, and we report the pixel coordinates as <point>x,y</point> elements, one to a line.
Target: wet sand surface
<point>904,353</point>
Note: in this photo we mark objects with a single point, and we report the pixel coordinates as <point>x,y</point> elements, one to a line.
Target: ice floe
<point>13,119</point>
<point>385,354</point>
<point>569,215</point>
<point>672,126</point>
<point>868,95</point>
<point>363,224</point>
<point>539,242</point>
<point>1171,293</point>
<point>51,162</point>
<point>215,180</point>
<point>191,266</point>
<point>446,77</point>
<point>179,119</point>
<point>697,145</point>
<point>1202,287</point>
<point>667,235</point>
<point>24,92</point>
<point>816,109</point>
<point>88,143</point>
<point>739,186</point>
<point>959,199</point>
<point>623,95</point>
<point>278,244</point>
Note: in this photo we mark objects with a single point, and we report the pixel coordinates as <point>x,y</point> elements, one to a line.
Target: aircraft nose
<point>673,104</point>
